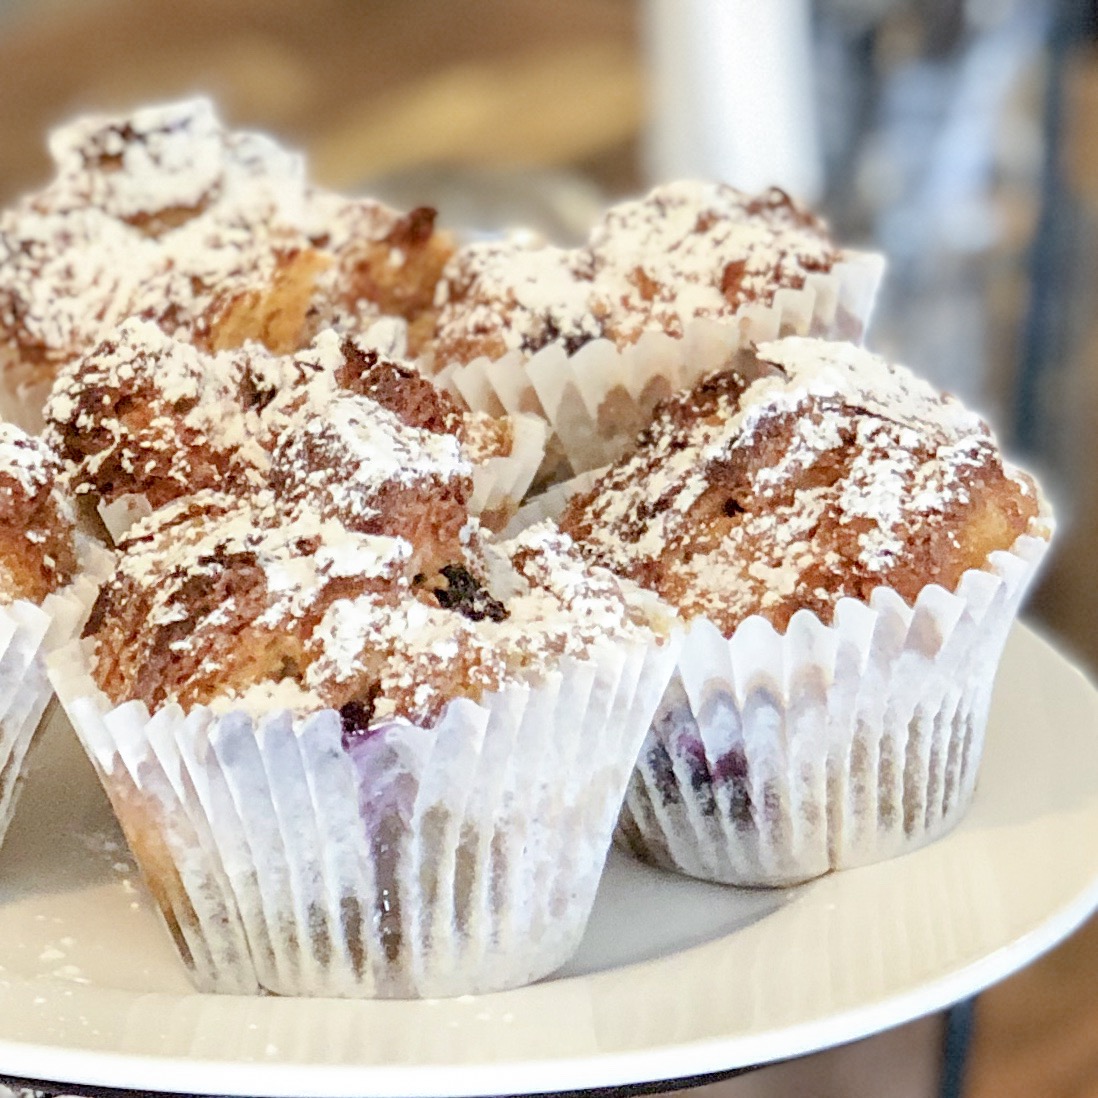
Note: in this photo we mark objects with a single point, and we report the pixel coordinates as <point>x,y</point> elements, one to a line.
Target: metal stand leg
<point>955,1048</point>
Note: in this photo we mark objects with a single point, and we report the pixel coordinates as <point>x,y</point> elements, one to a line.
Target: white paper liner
<point>550,504</point>
<point>120,514</point>
<point>774,759</point>
<point>597,399</point>
<point>500,483</point>
<point>27,633</point>
<point>413,862</point>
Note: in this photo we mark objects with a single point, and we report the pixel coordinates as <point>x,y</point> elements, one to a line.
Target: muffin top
<point>212,234</point>
<point>383,263</point>
<point>689,250</point>
<point>37,552</point>
<point>145,412</point>
<point>162,166</point>
<point>686,250</point>
<point>814,473</point>
<point>259,602</point>
<point>150,414</point>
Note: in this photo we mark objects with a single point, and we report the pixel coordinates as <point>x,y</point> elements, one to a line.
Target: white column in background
<point>732,93</point>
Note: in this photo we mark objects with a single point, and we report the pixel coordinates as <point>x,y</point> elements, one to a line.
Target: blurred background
<point>960,137</point>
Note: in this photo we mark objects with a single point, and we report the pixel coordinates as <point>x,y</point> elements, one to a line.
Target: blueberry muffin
<point>849,549</point>
<point>666,288</point>
<point>380,713</point>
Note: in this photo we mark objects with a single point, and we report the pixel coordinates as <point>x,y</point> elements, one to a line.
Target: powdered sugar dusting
<point>25,460</point>
<point>64,276</point>
<point>173,157</point>
<point>351,447</point>
<point>37,524</point>
<point>545,291</point>
<point>551,605</point>
<point>693,249</point>
<point>260,603</point>
<point>686,250</point>
<point>213,234</point>
<point>832,472</point>
<point>314,546</point>
<point>146,413</point>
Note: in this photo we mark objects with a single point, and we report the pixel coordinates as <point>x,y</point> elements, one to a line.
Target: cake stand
<point>676,980</point>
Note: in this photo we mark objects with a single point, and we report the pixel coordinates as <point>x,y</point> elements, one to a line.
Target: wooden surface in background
<point>373,86</point>
<point>365,86</point>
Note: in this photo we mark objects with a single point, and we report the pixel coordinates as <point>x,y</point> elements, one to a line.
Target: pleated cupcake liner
<point>121,513</point>
<point>774,759</point>
<point>404,862</point>
<point>550,504</point>
<point>597,399</point>
<point>27,633</point>
<point>501,483</point>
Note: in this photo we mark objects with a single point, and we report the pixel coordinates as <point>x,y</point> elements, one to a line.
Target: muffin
<point>358,748</point>
<point>849,550</point>
<point>664,290</point>
<point>146,418</point>
<point>213,235</point>
<point>40,594</point>
<point>383,263</point>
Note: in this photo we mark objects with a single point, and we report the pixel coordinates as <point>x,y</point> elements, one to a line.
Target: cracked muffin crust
<point>152,415</point>
<point>212,234</point>
<point>686,250</point>
<point>818,473</point>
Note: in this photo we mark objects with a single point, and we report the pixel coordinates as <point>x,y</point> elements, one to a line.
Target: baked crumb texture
<point>37,546</point>
<point>684,251</point>
<point>213,235</point>
<point>832,475</point>
<point>335,554</point>
<point>850,552</point>
<point>150,415</point>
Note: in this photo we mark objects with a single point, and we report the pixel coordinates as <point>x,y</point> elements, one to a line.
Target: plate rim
<point>623,1071</point>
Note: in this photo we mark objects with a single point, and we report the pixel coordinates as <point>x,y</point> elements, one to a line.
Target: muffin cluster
<point>362,743</point>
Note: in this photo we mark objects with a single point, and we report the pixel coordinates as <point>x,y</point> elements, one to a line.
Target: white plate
<point>675,978</point>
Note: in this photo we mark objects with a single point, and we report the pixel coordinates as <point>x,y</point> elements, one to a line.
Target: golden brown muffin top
<point>383,262</point>
<point>212,234</point>
<point>164,165</point>
<point>684,251</point>
<point>37,551</point>
<point>145,412</point>
<point>259,603</point>
<point>150,414</point>
<point>830,474</point>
